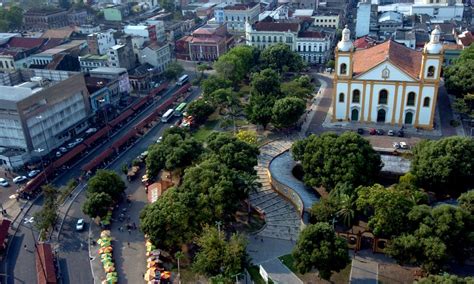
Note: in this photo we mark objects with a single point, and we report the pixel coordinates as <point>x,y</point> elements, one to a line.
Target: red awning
<point>139,126</point>
<point>45,270</point>
<point>99,159</point>
<point>121,117</point>
<point>103,131</point>
<point>4,226</point>
<point>156,91</point>
<point>140,103</point>
<point>183,89</point>
<point>69,155</point>
<point>165,105</point>
<point>124,139</point>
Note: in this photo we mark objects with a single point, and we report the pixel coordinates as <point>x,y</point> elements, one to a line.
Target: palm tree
<point>346,208</point>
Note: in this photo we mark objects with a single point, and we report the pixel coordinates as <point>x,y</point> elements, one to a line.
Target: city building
<point>206,43</point>
<point>327,20</point>
<point>390,21</point>
<point>238,14</point>
<point>122,55</point>
<point>387,83</point>
<point>91,61</point>
<point>113,73</point>
<point>41,109</point>
<point>157,55</point>
<point>363,19</point>
<point>160,28</point>
<point>107,86</point>
<point>45,18</point>
<point>116,13</point>
<point>87,29</point>
<point>77,17</point>
<point>100,42</point>
<point>312,46</point>
<point>148,32</point>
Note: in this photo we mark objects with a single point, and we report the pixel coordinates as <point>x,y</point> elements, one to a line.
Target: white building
<point>439,12</point>
<point>326,20</point>
<point>363,19</point>
<point>146,31</point>
<point>157,55</point>
<point>313,47</point>
<point>7,62</point>
<point>99,43</point>
<point>388,83</point>
<point>238,14</point>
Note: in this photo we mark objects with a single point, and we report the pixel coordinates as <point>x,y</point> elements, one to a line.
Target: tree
<point>281,58</point>
<point>217,256</point>
<point>330,159</point>
<point>330,64</point>
<point>97,204</point>
<point>445,165</point>
<point>287,111</point>
<point>324,210</point>
<point>319,247</point>
<point>446,279</point>
<point>300,87</point>
<point>200,110</point>
<point>47,216</point>
<point>230,66</point>
<point>177,150</point>
<point>173,71</point>
<point>266,83</point>
<point>389,207</point>
<point>466,201</point>
<point>259,109</point>
<point>214,83</point>
<point>459,79</point>
<point>248,55</point>
<point>248,136</point>
<point>107,182</point>
<point>220,97</point>
<point>11,19</point>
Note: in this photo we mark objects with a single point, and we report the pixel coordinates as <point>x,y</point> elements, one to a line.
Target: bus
<point>180,109</point>
<point>167,115</point>
<point>183,79</point>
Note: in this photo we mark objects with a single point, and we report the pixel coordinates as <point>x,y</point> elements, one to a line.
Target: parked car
<point>360,131</point>
<point>403,145</point>
<point>380,132</point>
<point>4,182</point>
<point>372,131</point>
<point>33,173</point>
<point>63,149</point>
<point>71,145</point>
<point>80,225</point>
<point>91,130</point>
<point>396,145</point>
<point>58,154</point>
<point>401,133</point>
<point>391,133</point>
<point>19,179</point>
<point>78,140</point>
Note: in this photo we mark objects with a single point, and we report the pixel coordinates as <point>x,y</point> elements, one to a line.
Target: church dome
<point>434,46</point>
<point>345,44</point>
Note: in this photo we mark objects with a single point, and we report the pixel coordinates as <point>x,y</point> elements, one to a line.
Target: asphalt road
<point>73,258</point>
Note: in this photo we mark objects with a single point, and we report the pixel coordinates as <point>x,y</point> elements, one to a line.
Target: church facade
<point>387,83</point>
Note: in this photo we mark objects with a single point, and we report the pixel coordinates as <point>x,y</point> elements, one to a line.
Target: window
<point>253,38</point>
<point>341,97</point>
<point>383,95</point>
<point>299,48</point>
<point>431,71</point>
<point>343,69</point>
<point>356,96</point>
<point>264,39</point>
<point>411,99</point>
<point>426,102</point>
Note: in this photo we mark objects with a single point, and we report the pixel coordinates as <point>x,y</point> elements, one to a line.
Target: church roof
<point>398,54</point>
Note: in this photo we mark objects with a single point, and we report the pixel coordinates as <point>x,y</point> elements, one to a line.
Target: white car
<point>80,225</point>
<point>396,145</point>
<point>33,173</point>
<point>58,154</point>
<point>79,140</point>
<point>4,182</point>
<point>91,130</point>
<point>71,145</point>
<point>19,179</point>
<point>63,149</point>
<point>403,145</point>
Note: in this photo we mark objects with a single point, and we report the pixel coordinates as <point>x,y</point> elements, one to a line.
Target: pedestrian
<point>129,231</point>
<point>128,243</point>
<point>25,247</point>
<point>121,229</point>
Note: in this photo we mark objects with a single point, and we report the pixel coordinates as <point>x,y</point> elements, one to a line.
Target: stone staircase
<point>282,219</point>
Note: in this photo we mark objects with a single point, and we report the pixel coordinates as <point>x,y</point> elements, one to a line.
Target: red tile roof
<point>398,54</point>
<point>312,34</point>
<point>276,26</point>
<point>25,42</point>
<point>466,38</point>
<point>241,6</point>
<point>364,42</point>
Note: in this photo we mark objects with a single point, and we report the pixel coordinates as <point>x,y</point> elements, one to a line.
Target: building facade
<point>77,17</point>
<point>122,55</point>
<point>45,18</point>
<point>99,43</point>
<point>238,14</point>
<point>326,20</point>
<point>90,61</point>
<point>146,31</point>
<point>159,56</point>
<point>388,83</point>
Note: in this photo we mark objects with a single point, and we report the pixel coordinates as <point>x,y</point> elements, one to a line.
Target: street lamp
<point>39,151</point>
<point>39,117</point>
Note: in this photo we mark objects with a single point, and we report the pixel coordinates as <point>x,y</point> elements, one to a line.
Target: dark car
<point>380,131</point>
<point>372,131</point>
<point>401,133</point>
<point>360,131</point>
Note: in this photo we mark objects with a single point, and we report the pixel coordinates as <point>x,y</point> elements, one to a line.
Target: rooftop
<point>274,26</point>
<point>94,57</point>
<point>43,11</point>
<point>108,70</point>
<point>391,16</point>
<point>65,32</point>
<point>312,34</point>
<point>398,54</point>
<point>303,13</point>
<point>241,6</point>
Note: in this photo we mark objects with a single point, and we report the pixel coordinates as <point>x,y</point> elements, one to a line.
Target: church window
<point>343,69</point>
<point>383,96</point>
<point>356,96</point>
<point>341,97</point>
<point>431,71</point>
<point>411,99</point>
<point>426,102</point>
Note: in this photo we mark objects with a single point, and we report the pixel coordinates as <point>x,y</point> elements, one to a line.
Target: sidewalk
<point>279,273</point>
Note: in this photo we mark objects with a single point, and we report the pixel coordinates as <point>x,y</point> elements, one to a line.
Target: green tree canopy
<point>466,201</point>
<point>459,77</point>
<point>266,83</point>
<point>11,19</point>
<point>300,87</point>
<point>259,109</point>
<point>97,204</point>
<point>177,150</point>
<point>446,279</point>
<point>287,111</point>
<point>231,67</point>
<point>445,165</point>
<point>330,159</point>
<point>108,182</point>
<point>47,216</point>
<point>220,97</point>
<point>200,110</point>
<point>248,136</point>
<point>281,58</point>
<point>214,83</point>
<point>319,247</point>
<point>173,70</point>
<point>218,256</point>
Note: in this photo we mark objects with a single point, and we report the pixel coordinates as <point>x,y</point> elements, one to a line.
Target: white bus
<point>183,79</point>
<point>167,115</point>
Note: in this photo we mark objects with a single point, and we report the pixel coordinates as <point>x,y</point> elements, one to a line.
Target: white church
<point>388,83</point>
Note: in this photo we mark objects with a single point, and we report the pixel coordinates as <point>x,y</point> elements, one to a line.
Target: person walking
<point>129,231</point>
<point>25,247</point>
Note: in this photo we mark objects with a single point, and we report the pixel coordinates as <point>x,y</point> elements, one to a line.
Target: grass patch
<point>289,262</point>
<point>254,272</point>
<point>205,130</point>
